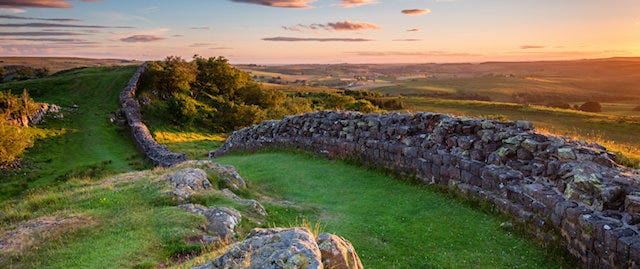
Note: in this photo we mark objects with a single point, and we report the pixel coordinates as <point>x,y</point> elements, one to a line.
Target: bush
<point>13,142</point>
<point>563,105</point>
<point>363,106</point>
<point>591,107</point>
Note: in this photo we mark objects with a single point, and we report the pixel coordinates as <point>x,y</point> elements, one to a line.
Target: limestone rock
<point>337,252</point>
<point>222,220</point>
<point>271,248</point>
<point>187,181</point>
<point>255,205</point>
<point>229,175</point>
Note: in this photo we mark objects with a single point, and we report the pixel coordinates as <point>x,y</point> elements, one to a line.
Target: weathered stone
<point>188,181</point>
<point>566,154</point>
<point>271,248</point>
<point>222,220</point>
<point>524,125</point>
<point>632,203</point>
<point>228,175</point>
<point>255,205</point>
<point>337,252</point>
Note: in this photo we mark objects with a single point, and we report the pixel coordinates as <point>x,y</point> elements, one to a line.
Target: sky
<point>323,31</point>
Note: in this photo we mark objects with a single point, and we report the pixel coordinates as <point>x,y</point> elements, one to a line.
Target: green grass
<point>392,224</point>
<point>84,138</point>
<point>196,144</point>
<point>132,224</point>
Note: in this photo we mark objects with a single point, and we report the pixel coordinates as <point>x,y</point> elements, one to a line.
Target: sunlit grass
<point>195,144</point>
<point>391,223</point>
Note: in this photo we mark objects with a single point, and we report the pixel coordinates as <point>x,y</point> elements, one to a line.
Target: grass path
<point>84,142</point>
<point>392,224</point>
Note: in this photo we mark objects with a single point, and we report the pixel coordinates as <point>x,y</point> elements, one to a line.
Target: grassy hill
<point>55,64</point>
<point>83,143</point>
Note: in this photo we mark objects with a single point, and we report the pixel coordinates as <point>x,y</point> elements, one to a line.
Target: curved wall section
<point>563,192</point>
<point>159,154</point>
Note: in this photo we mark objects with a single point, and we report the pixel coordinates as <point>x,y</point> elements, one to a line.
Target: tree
<point>216,76</point>
<point>591,107</point>
<point>3,73</point>
<point>171,75</point>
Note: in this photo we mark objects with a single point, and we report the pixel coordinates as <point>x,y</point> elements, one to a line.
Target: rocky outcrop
<point>159,154</point>
<point>560,190</point>
<point>255,205</point>
<point>220,221</point>
<point>337,252</point>
<point>228,175</point>
<point>188,181</point>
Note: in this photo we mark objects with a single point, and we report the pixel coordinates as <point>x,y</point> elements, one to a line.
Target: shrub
<point>363,106</point>
<point>591,107</point>
<point>13,142</point>
<point>563,105</point>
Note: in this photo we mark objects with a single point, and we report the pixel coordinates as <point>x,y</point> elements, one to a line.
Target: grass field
<point>84,142</point>
<point>392,224</point>
<point>55,64</point>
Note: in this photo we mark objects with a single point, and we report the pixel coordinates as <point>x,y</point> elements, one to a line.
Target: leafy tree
<point>24,73</point>
<point>171,75</point>
<point>216,76</point>
<point>3,73</point>
<point>336,101</point>
<point>591,107</point>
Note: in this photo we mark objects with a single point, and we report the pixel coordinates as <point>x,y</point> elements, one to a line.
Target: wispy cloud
<point>299,39</point>
<point>12,17</point>
<point>279,3</point>
<point>220,48</point>
<point>12,10</point>
<point>142,38</point>
<point>413,30</point>
<point>72,41</point>
<point>43,33</point>
<point>59,25</point>
<point>200,45</point>
<point>200,28</point>
<point>525,47</point>
<point>333,26</point>
<point>416,11</point>
<point>39,3</point>
<point>355,3</point>
<point>408,39</point>
<point>412,53</point>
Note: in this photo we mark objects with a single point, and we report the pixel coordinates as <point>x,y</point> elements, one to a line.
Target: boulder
<point>255,205</point>
<point>188,181</point>
<point>337,252</point>
<point>228,175</point>
<point>271,248</point>
<point>222,220</point>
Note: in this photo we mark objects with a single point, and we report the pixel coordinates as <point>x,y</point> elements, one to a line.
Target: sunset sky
<point>323,31</point>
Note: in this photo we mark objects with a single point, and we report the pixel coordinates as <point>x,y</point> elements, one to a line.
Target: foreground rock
<point>271,248</point>
<point>221,221</point>
<point>188,181</point>
<point>337,252</point>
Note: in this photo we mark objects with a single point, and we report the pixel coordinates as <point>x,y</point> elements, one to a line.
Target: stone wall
<point>563,192</point>
<point>159,154</point>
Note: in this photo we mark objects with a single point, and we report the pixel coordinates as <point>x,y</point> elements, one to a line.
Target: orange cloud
<point>298,39</point>
<point>354,3</point>
<point>524,47</point>
<point>279,3</point>
<point>39,3</point>
<point>413,30</point>
<point>334,26</point>
<point>416,11</point>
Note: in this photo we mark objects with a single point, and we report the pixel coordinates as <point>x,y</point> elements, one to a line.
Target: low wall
<point>563,192</point>
<point>159,154</point>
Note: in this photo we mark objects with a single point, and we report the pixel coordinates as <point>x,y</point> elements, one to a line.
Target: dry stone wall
<point>159,154</point>
<point>563,192</point>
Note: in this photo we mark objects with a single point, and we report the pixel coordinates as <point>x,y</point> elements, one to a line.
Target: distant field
<point>55,64</point>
